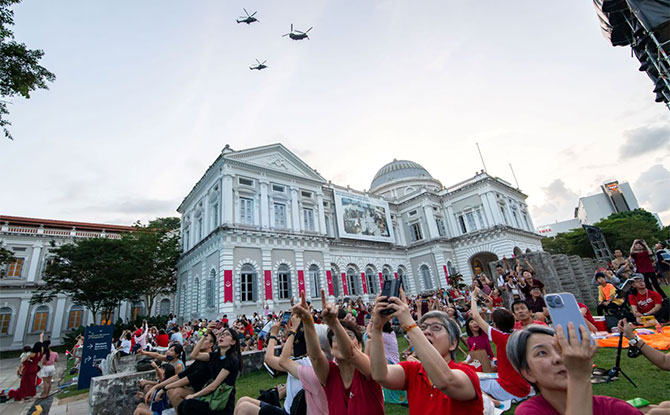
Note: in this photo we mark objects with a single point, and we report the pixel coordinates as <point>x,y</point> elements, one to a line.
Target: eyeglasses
<point>434,327</point>
<point>225,333</point>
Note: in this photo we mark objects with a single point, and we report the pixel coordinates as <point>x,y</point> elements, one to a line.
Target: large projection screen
<point>361,217</point>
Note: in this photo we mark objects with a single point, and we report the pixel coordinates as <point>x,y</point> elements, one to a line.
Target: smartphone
<point>563,309</point>
<point>285,317</point>
<point>391,288</point>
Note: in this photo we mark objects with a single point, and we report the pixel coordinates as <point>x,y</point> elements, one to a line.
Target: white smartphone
<point>563,308</point>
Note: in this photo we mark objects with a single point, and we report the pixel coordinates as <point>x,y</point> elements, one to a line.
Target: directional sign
<point>97,345</point>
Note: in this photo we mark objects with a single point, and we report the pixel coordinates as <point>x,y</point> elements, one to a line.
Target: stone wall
<point>115,394</point>
<point>562,273</point>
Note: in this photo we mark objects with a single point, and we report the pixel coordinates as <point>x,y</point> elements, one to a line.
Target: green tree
<point>20,71</point>
<point>93,272</point>
<point>6,257</point>
<point>154,251</point>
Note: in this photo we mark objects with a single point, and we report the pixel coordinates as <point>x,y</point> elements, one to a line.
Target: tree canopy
<point>619,229</point>
<point>20,71</point>
<point>6,256</point>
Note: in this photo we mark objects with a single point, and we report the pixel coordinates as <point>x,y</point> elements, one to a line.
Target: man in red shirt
<point>523,315</point>
<point>645,302</point>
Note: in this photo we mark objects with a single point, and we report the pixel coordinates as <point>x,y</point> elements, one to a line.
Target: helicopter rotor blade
<point>263,63</point>
<point>308,29</point>
<point>291,27</point>
<point>253,14</point>
<point>285,35</point>
<point>245,11</point>
<point>258,61</point>
<point>298,31</point>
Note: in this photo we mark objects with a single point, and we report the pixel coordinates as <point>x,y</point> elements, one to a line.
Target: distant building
<point>30,241</point>
<point>559,227</point>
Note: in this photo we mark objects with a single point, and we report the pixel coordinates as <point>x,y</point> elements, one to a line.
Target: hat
<point>637,276</point>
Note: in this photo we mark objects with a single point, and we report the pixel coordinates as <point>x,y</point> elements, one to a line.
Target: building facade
<point>30,241</point>
<point>260,226</point>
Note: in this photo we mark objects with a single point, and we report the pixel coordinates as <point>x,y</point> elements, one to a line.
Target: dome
<point>399,170</point>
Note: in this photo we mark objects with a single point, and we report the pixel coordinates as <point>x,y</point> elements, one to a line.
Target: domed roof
<point>399,170</point>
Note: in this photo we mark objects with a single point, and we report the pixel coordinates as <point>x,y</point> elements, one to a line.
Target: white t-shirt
<point>293,385</point>
<point>177,337</point>
<point>125,346</point>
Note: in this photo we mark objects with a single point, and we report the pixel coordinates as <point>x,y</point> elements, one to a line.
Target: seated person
<point>479,345</point>
<point>559,369</point>
<point>609,277</point>
<point>523,315</point>
<point>606,294</point>
<point>537,305</point>
<point>588,318</point>
<point>645,302</point>
<point>126,344</point>
<point>163,372</point>
<point>175,356</point>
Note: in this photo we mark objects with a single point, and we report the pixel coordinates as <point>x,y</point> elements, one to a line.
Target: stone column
<point>452,221</point>
<point>34,263</point>
<point>322,215</point>
<point>487,210</point>
<point>227,195</point>
<point>58,320</point>
<point>430,220</point>
<point>295,210</point>
<point>265,210</point>
<point>21,323</point>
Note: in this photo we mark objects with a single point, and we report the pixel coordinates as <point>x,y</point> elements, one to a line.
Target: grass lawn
<point>70,390</point>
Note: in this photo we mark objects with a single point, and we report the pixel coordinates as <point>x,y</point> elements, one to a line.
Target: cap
<point>637,276</point>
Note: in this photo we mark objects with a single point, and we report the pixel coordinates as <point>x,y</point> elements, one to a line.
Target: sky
<point>147,94</point>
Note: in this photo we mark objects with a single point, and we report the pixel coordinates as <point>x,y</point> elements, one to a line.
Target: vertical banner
<point>446,274</point>
<point>365,285</point>
<point>381,282</point>
<point>329,281</point>
<point>345,289</point>
<point>301,282</point>
<point>395,274</point>
<point>268,284</point>
<point>97,345</point>
<point>227,285</point>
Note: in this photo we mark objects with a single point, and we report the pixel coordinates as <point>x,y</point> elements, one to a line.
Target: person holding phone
<point>643,257</point>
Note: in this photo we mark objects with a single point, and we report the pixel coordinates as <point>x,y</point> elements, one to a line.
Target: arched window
<point>5,319</point>
<point>209,289</point>
<point>74,320</point>
<point>182,299</point>
<point>41,318</point>
<point>314,280</point>
<point>451,268</point>
<point>351,281</point>
<point>106,317</point>
<point>427,279</point>
<point>196,296</point>
<point>337,283</point>
<point>136,311</point>
<point>370,279</point>
<point>164,307</point>
<point>386,274</point>
<point>284,282</point>
<point>248,283</point>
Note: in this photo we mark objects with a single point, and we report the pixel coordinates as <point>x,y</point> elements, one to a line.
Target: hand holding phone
<point>563,309</point>
<point>285,318</point>
<point>391,288</point>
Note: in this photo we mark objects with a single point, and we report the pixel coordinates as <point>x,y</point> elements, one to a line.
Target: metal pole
<point>511,168</point>
<point>480,156</point>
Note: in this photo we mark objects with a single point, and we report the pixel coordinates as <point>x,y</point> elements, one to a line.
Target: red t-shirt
<point>642,262</point>
<point>249,329</point>
<point>519,326</point>
<point>602,405</point>
<point>587,316</point>
<point>497,301</point>
<point>645,302</point>
<point>364,396</point>
<point>425,399</point>
<point>162,340</point>
<point>508,378</point>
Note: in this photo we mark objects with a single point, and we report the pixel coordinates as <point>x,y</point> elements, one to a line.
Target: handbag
<point>218,399</point>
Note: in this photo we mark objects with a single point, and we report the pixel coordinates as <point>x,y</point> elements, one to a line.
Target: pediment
<point>278,158</point>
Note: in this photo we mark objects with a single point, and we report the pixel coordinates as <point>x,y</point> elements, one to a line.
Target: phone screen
<point>285,317</point>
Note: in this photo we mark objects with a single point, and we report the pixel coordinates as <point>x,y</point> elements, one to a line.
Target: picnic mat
<point>659,341</point>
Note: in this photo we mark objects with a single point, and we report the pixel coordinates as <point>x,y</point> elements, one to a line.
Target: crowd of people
<point>471,349</point>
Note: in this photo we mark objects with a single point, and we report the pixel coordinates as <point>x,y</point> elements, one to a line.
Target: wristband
<point>290,333</point>
<point>273,338</point>
<point>410,327</point>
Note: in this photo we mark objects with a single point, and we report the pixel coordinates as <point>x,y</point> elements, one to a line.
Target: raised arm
<point>475,312</point>
<point>577,357</point>
<point>658,358</point>
<point>316,355</point>
<point>389,376</point>
<point>195,353</point>
<point>153,355</point>
<point>270,358</point>
<point>285,362</point>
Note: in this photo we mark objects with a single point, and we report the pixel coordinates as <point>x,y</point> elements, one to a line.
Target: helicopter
<point>249,19</point>
<point>261,65</point>
<point>297,34</point>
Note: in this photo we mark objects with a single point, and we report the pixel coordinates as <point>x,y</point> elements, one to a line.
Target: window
<point>187,235</point>
<point>40,320</point>
<point>370,279</point>
<point>74,320</point>
<point>209,292</point>
<point>480,217</point>
<point>401,274</point>
<point>525,219</point>
<point>306,194</point>
<point>308,219</point>
<point>164,307</point>
<point>5,319</point>
<point>136,311</point>
<point>15,267</point>
<point>427,279</point>
<point>245,182</point>
<point>327,230</point>
<point>199,229</point>
<point>280,215</point>
<point>196,295</point>
<point>416,232</point>
<point>386,274</point>
<point>246,211</point>
<point>461,223</point>
<point>278,188</point>
<point>335,275</point>
<point>472,225</point>
<point>351,281</point>
<point>106,317</point>
<point>284,282</point>
<point>314,280</point>
<point>248,283</point>
<point>504,215</point>
<point>516,218</point>
<point>440,227</point>
<point>215,215</point>
<point>412,213</point>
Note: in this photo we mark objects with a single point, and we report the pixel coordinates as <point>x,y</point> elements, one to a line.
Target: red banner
<point>301,282</point>
<point>268,285</point>
<point>381,282</point>
<point>329,281</point>
<point>446,274</point>
<point>345,289</point>
<point>395,274</point>
<point>365,285</point>
<point>227,285</point>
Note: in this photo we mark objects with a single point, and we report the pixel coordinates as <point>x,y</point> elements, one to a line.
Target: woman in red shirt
<point>28,387</point>
<point>642,255</point>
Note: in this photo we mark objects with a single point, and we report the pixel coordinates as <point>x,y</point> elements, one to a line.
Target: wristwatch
<point>635,341</point>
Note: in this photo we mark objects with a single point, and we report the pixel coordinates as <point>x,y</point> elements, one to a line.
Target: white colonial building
<point>261,225</point>
<point>30,241</point>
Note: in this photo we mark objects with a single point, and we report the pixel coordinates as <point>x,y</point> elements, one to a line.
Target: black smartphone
<point>391,288</point>
<point>285,317</point>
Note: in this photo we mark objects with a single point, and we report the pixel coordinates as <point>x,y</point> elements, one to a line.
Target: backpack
<point>143,365</point>
<point>299,404</point>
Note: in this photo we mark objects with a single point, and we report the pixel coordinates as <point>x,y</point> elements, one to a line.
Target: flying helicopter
<point>249,19</point>
<point>261,65</point>
<point>297,34</point>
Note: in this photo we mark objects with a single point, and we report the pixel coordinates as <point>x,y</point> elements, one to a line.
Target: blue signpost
<point>97,345</point>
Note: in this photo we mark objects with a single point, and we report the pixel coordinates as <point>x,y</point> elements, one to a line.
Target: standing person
<point>662,262</point>
<point>642,255</point>
<point>645,302</point>
<point>28,387</point>
<point>435,384</point>
<point>48,361</point>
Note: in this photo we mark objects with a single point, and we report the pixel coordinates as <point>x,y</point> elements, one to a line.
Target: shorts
<point>47,371</point>
<point>267,409</point>
<point>492,388</point>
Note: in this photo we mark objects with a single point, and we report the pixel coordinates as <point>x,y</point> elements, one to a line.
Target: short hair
<point>387,328</point>
<point>499,266</point>
<point>516,345</point>
<point>662,244</point>
<point>453,330</point>
<point>516,302</point>
<point>348,325</point>
<point>168,370</point>
<point>503,319</point>
<point>175,329</point>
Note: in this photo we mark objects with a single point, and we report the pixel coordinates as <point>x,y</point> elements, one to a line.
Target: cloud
<point>651,189</point>
<point>644,140</point>
<point>559,204</point>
